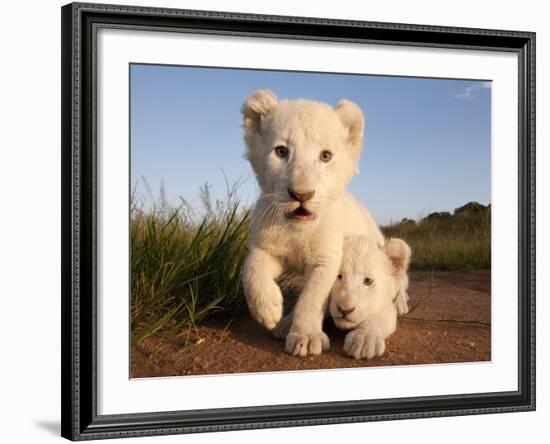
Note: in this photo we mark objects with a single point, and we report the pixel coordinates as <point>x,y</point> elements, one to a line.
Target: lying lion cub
<point>364,296</point>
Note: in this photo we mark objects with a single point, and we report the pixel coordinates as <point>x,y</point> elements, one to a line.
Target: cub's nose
<point>346,312</point>
<point>301,197</point>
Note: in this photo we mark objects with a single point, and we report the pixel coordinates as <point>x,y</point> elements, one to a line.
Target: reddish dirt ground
<point>449,322</point>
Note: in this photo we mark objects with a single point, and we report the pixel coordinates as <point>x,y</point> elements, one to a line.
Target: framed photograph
<point>278,221</point>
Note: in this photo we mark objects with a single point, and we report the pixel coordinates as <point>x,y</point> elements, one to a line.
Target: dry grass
<point>457,242</point>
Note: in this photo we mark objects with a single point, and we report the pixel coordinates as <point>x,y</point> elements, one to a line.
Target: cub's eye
<point>339,277</point>
<point>325,156</point>
<point>281,151</point>
<point>368,281</point>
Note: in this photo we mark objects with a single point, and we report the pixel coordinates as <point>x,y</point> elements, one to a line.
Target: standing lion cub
<point>304,154</point>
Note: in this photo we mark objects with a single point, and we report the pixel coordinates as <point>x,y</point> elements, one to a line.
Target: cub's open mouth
<point>300,214</point>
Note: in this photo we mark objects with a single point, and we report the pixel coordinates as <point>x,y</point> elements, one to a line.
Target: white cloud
<point>471,91</point>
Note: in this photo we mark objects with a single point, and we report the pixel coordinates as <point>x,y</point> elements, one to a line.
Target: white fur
<point>371,304</point>
<point>312,247</point>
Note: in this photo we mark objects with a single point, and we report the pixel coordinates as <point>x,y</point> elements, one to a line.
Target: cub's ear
<point>399,254</point>
<point>255,107</point>
<point>353,120</point>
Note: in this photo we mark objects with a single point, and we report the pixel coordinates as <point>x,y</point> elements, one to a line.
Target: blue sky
<point>427,141</point>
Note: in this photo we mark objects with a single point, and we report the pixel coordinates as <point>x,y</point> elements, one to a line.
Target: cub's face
<point>303,153</point>
<point>369,279</point>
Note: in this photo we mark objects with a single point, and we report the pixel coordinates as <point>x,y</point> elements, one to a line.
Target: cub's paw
<point>364,344</point>
<point>298,344</point>
<point>268,314</point>
<point>283,327</point>
<point>402,303</point>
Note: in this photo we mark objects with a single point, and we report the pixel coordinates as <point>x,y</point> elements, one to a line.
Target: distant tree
<point>471,209</point>
<point>437,216</point>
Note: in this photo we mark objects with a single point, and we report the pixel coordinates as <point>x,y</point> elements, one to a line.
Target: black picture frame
<point>78,332</point>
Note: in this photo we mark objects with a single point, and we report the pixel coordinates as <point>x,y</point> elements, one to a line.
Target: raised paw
<point>269,313</point>
<point>298,344</point>
<point>364,344</point>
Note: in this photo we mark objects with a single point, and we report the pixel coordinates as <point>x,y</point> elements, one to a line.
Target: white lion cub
<point>364,296</point>
<point>303,153</point>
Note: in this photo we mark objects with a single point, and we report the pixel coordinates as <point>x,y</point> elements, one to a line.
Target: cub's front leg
<point>402,302</point>
<point>365,343</point>
<point>368,340</point>
<point>306,336</point>
<point>263,295</point>
<point>402,297</point>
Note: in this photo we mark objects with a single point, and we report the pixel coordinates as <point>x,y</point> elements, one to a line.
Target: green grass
<point>186,268</point>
